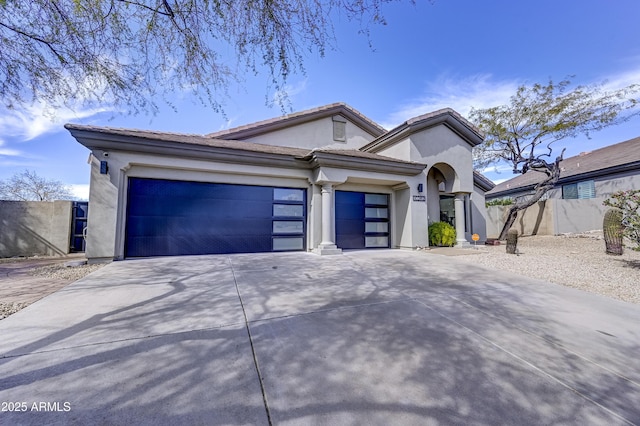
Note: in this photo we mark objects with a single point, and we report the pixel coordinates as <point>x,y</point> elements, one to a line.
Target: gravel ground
<point>574,260</point>
<point>7,309</point>
<point>62,272</point>
<point>57,272</point>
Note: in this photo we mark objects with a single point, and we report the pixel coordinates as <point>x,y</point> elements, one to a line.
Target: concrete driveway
<point>375,337</point>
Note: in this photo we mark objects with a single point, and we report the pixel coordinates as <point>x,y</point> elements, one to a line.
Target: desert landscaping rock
<point>572,260</point>
<point>64,272</point>
<point>25,280</point>
<point>7,309</point>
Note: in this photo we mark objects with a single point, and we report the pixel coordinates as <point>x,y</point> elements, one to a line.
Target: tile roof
<point>275,123</point>
<point>200,140</point>
<point>442,116</point>
<point>599,162</point>
<point>191,139</point>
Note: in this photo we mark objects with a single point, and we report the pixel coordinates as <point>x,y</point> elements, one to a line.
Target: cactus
<point>613,231</point>
<point>512,241</point>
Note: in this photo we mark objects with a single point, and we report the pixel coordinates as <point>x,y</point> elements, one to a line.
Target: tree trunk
<point>553,174</point>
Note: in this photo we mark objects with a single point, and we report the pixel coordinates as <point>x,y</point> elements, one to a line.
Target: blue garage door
<point>362,220</point>
<point>169,218</point>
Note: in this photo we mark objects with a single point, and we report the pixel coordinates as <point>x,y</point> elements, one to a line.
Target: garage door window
<point>287,244</point>
<point>288,194</point>
<point>287,210</point>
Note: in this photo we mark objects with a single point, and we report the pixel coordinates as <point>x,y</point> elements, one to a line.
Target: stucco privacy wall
<point>550,217</point>
<point>29,228</point>
<point>563,216</point>
<point>536,220</point>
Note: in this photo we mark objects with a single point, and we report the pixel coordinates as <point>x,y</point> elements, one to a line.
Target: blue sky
<point>445,53</point>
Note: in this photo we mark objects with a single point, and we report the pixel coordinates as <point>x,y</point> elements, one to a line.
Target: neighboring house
<point>322,180</point>
<point>586,180</point>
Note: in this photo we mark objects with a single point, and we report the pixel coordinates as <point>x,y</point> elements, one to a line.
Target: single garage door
<point>362,220</point>
<point>169,218</point>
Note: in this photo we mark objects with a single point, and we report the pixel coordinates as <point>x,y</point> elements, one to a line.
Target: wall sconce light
<point>420,188</point>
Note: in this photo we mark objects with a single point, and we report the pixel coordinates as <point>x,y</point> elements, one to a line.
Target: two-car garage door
<point>166,218</point>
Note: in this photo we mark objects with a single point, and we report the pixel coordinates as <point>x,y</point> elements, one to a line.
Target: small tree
<point>28,186</point>
<point>522,132</point>
<point>629,203</point>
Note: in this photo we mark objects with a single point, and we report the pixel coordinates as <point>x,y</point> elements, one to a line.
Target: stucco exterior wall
<point>478,214</point>
<point>315,134</point>
<point>441,145</point>
<point>445,150</point>
<point>107,216</point>
<point>619,182</point>
<point>101,221</point>
<point>106,222</point>
<point>29,228</point>
<point>400,150</point>
<point>407,221</point>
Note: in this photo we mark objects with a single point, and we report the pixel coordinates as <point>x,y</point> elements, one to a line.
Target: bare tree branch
<point>129,52</point>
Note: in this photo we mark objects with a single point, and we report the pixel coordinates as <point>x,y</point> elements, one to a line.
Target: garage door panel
<point>180,218</point>
<point>362,220</point>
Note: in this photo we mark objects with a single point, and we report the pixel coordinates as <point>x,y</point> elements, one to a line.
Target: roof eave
<point>634,166</point>
<point>482,182</point>
<point>325,159</point>
<point>471,136</point>
<point>114,142</point>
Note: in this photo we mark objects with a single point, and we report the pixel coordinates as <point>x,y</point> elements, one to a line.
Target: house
<point>575,203</point>
<point>321,180</point>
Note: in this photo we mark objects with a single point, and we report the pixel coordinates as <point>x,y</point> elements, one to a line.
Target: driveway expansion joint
<point>253,350</point>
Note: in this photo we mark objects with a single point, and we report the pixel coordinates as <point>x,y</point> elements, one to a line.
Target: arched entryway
<point>445,203</point>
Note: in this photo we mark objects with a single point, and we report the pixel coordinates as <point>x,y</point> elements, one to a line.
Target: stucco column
<point>459,209</point>
<point>327,245</point>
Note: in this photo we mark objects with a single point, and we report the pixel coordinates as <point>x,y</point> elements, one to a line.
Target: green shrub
<point>442,234</point>
<point>499,202</point>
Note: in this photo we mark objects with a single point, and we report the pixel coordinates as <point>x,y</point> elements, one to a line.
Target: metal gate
<point>80,210</point>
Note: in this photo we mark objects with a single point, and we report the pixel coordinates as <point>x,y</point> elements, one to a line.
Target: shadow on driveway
<point>380,337</point>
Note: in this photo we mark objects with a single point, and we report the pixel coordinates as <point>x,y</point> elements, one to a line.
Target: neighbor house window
<point>580,190</point>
